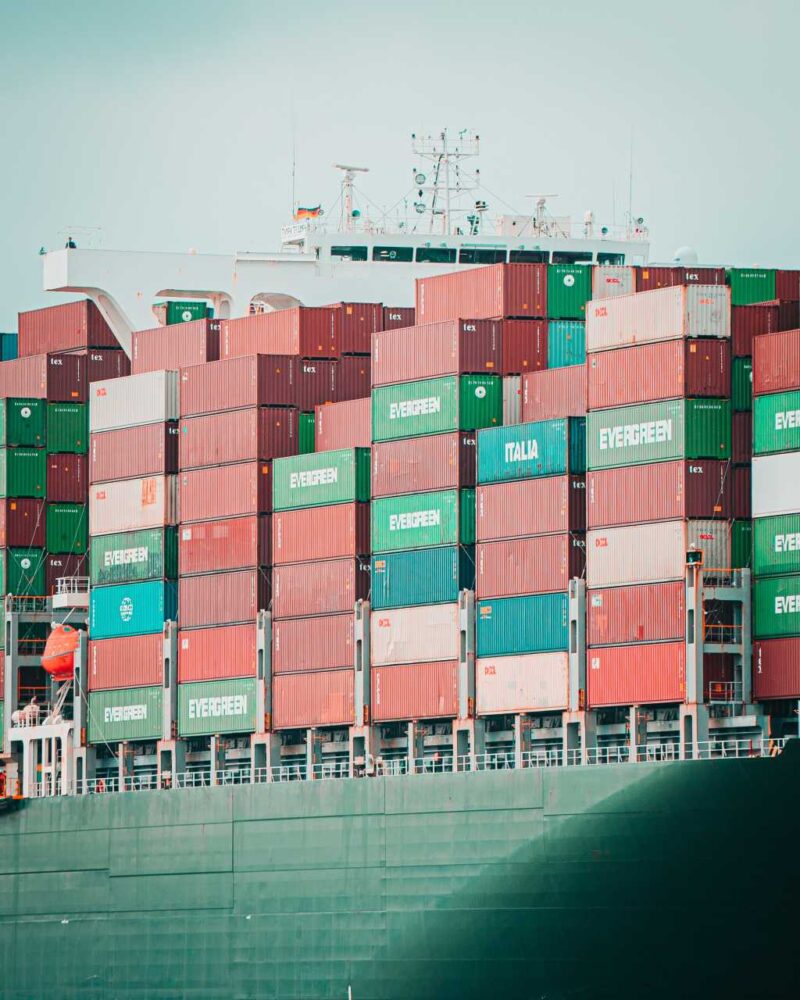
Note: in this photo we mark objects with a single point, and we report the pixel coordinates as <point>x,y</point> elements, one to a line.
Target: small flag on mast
<point>308,213</point>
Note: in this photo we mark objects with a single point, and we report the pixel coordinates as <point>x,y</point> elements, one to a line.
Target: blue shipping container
<point>566,343</point>
<point>509,625</point>
<point>8,346</point>
<point>525,451</point>
<point>132,608</point>
<point>422,576</point>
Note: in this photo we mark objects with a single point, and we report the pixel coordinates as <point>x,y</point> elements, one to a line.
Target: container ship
<point>413,612</point>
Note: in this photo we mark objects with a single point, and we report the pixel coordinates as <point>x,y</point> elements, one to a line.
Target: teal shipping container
<point>423,520</point>
<point>225,706</point>
<point>422,576</point>
<point>436,406</point>
<point>566,343</point>
<point>125,714</point>
<point>538,624</point>
<point>8,346</point>
<point>525,451</point>
<point>132,608</point>
<point>320,478</point>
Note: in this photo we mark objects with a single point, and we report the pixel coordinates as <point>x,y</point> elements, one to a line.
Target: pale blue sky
<point>166,124</point>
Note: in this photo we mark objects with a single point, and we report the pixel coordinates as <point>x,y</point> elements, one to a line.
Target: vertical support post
<point>577,645</point>
<point>217,757</point>
<point>263,669</point>
<point>416,745</point>
<point>638,733</point>
<point>745,619</point>
<point>313,753</point>
<point>693,636</point>
<point>363,738</point>
<point>11,683</point>
<point>169,680</point>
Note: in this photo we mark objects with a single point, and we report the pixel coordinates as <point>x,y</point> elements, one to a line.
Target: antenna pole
<point>630,183</point>
<point>294,166</point>
<point>446,161</point>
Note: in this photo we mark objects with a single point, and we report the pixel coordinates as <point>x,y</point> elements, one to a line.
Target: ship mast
<point>347,193</point>
<point>448,181</point>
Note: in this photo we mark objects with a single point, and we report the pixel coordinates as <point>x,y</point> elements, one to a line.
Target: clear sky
<point>167,124</point>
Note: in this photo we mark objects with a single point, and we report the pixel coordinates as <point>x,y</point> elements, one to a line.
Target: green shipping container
<point>776,422</point>
<point>509,625</point>
<point>569,288</point>
<point>566,343</point>
<point>525,451</point>
<point>186,312</point>
<point>742,384</point>
<point>776,545</point>
<point>742,544</point>
<point>422,576</point>
<point>23,423</point>
<point>306,433</point>
<point>776,606</point>
<point>23,472</point>
<point>215,707</point>
<point>321,478</point>
<point>67,528</point>
<point>659,432</point>
<point>125,714</point>
<point>132,608</point>
<point>134,556</point>
<point>751,285</point>
<point>436,406</point>
<point>22,571</point>
<point>422,520</point>
<point>68,428</point>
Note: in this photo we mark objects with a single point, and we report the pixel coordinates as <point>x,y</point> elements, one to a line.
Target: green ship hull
<point>633,880</point>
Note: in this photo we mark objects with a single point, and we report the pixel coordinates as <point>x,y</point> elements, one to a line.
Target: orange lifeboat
<point>59,650</point>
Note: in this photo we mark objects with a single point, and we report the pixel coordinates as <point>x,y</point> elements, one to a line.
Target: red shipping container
<point>176,346</point>
<point>661,491</point>
<point>776,362</point>
<point>225,491</point>
<point>132,661</point>
<point>22,523</point>
<point>648,674</point>
<point>59,566</point>
<point>648,277</point>
<point>499,291</point>
<point>103,365</point>
<point>550,505</point>
<point>415,691</point>
<point>787,285</point>
<point>452,347</point>
<point>352,380</point>
<point>321,698</point>
<point>666,370</point>
<point>210,654</point>
<point>233,543</point>
<point>650,612</point>
<point>358,322</point>
<point>67,478</point>
<point>418,465</point>
<point>397,316</point>
<point>741,505</point>
<point>758,318</point>
<point>238,436</point>
<point>63,328</point>
<point>323,643</point>
<point>539,564</point>
<point>524,346</point>
<point>304,331</point>
<point>134,452</point>
<point>776,668</point>
<point>319,588</point>
<point>59,378</point>
<point>554,393</point>
<point>223,598</point>
<point>343,425</point>
<point>315,533</point>
<point>742,438</point>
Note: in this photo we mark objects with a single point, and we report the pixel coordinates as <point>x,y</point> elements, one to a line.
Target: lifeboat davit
<point>58,656</point>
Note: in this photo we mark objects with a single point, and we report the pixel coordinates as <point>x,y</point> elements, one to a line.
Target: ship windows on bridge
<point>529,257</point>
<point>436,255</point>
<point>610,258</point>
<point>473,255</point>
<point>399,255</point>
<point>572,256</point>
<point>349,253</point>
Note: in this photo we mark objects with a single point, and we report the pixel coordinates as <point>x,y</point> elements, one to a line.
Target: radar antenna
<point>347,193</point>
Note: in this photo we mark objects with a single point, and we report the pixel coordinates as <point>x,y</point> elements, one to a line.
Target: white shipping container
<point>661,314</point>
<point>414,635</point>
<point>131,504</point>
<point>149,398</point>
<point>531,683</point>
<point>611,280</point>
<point>655,552</point>
<point>512,399</point>
<point>776,484</point>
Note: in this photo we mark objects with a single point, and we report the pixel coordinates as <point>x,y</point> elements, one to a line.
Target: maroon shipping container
<point>323,643</point>
<point>776,668</point>
<point>451,347</point>
<point>415,691</point>
<point>103,365</point>
<point>257,433</point>
<point>554,393</point>
<point>661,491</point>
<point>787,285</point>
<point>59,378</point>
<point>666,370</point>
<point>133,452</point>
<point>535,565</point>
<point>175,346</point>
<point>358,321</point>
<point>225,491</point>
<point>496,292</point>
<point>648,277</point>
<point>315,533</point>
<point>742,437</point>
<point>63,328</point>
<point>550,505</point>
<point>776,362</point>
<point>649,674</point>
<point>524,346</point>
<point>319,588</point>
<point>59,566</point>
<point>397,316</point>
<point>320,698</point>
<point>343,425</point>
<point>650,612</point>
<point>223,598</point>
<point>757,318</point>
<point>233,543</point>
<point>132,661</point>
<point>22,523</point>
<point>417,465</point>
<point>741,504</point>
<point>352,379</point>
<point>67,478</point>
<point>211,654</point>
<point>304,331</point>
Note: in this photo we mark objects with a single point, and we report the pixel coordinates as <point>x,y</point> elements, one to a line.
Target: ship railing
<point>722,635</point>
<point>724,692</point>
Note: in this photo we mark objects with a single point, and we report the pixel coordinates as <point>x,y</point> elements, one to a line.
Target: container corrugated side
<point>414,635</point>
<point>358,321</point>
<point>324,587</point>
<point>397,316</point>
<point>319,698</point>
<point>742,384</point>
<point>132,608</point>
<point>223,598</point>
<point>524,346</point>
<point>416,465</point>
<point>131,452</point>
<point>151,554</point>
<point>775,479</point>
<point>530,507</point>
<point>649,277</point>
<point>554,393</point>
<point>569,288</point>
<point>649,674</point>
<point>22,572</point>
<point>344,425</point>
<point>776,606</point>
<point>776,545</point>
<point>67,528</point>
<point>324,642</point>
<point>125,714</point>
<point>749,284</point>
<point>421,576</point>
<point>414,691</point>
<point>64,327</point>
<point>222,706</point>
<point>776,668</point>
<point>742,437</point>
<point>534,624</point>
<point>176,346</point>
<point>776,422</point>
<point>137,399</point>
<point>209,654</point>
<point>611,280</point>
<point>751,321</point>
<point>133,504</point>
<point>536,565</point>
<point>652,612</point>
<point>231,543</point>
<point>23,422</point>
<point>522,451</point>
<point>321,478</point>
<point>499,290</point>
<point>226,491</point>
<point>436,406</point>
<point>23,472</point>
<point>307,331</point>
<point>450,347</point>
<point>68,428</point>
<point>252,434</point>
<point>22,522</point>
<point>314,533</point>
<point>533,682</point>
<point>131,661</point>
<point>421,520</point>
<point>566,343</point>
<point>56,377</point>
<point>775,362</point>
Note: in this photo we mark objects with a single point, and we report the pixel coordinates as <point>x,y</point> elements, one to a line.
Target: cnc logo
<point>490,671</point>
<point>126,609</point>
<point>384,623</point>
<point>600,311</point>
<point>100,495</point>
<point>601,543</point>
<point>101,392</point>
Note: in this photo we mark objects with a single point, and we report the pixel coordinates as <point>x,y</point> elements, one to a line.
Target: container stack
<point>175,346</point>
<point>658,485</point>
<point>67,487</point>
